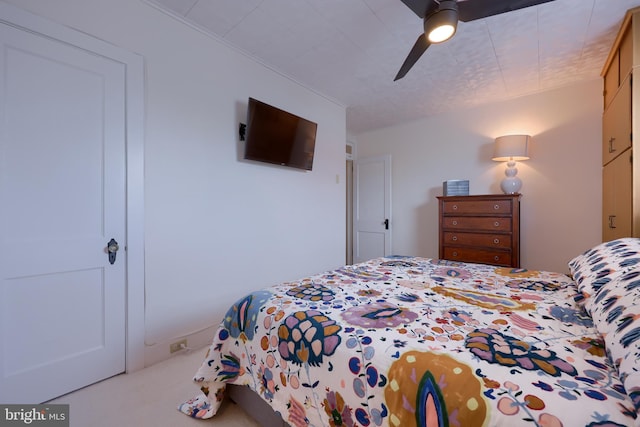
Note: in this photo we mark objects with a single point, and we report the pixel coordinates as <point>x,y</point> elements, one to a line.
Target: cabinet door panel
<point>617,198</point>
<point>616,124</point>
<point>626,54</point>
<point>611,80</point>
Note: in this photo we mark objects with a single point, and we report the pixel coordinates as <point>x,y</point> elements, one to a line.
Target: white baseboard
<point>160,351</point>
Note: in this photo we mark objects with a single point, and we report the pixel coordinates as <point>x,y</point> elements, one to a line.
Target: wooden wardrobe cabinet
<point>620,170</point>
<point>482,229</point>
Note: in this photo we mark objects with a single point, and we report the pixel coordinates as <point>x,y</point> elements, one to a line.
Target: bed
<point>410,341</point>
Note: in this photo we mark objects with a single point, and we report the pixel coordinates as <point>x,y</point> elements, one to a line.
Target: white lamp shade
<point>511,147</point>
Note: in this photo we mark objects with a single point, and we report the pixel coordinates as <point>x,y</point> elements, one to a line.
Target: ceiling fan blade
<point>419,7</point>
<point>470,10</point>
<point>420,46</point>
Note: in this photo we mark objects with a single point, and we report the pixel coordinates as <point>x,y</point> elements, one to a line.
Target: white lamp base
<point>511,184</point>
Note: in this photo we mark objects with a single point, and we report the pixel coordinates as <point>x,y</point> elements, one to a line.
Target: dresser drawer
<point>501,241</point>
<point>477,255</point>
<point>476,223</point>
<point>477,207</point>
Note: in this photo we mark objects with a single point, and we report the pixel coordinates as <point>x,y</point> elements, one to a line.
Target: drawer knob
<point>454,238</point>
<point>454,222</point>
<point>496,207</point>
<point>454,207</point>
<point>496,241</point>
<point>497,223</point>
<point>496,258</point>
<point>455,254</point>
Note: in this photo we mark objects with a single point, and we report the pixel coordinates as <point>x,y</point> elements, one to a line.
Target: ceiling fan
<point>441,20</point>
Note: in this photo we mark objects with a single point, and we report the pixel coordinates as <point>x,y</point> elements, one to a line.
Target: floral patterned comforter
<point>407,341</point>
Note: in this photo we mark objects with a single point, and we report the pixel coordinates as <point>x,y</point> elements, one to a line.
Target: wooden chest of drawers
<point>483,229</point>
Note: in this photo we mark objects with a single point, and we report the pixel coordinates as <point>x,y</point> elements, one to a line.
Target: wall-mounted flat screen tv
<point>279,137</point>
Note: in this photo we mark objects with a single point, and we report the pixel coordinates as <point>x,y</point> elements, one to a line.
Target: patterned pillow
<point>603,264</point>
<point>608,277</point>
<point>616,315</point>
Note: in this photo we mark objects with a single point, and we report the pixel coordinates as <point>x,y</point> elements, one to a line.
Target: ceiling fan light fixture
<point>440,20</point>
<point>441,25</point>
<point>441,33</point>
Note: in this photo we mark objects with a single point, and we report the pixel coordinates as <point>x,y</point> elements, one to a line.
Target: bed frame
<point>253,405</point>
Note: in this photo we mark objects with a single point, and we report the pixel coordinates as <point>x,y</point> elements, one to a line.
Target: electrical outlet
<point>177,346</point>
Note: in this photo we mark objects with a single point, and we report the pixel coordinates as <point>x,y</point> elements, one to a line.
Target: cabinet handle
<point>497,223</point>
<point>612,221</point>
<point>496,241</point>
<point>611,148</point>
<point>454,238</point>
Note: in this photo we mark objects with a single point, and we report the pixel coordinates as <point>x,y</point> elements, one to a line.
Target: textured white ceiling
<point>350,50</point>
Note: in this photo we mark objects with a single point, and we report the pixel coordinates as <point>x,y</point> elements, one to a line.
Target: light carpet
<point>148,397</point>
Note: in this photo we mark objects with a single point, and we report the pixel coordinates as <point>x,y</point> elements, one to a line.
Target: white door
<point>62,198</point>
<point>372,208</point>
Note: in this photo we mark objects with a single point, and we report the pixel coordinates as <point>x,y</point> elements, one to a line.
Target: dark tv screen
<point>279,137</point>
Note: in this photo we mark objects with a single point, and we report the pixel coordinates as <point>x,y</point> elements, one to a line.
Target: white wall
<point>216,227</point>
<point>561,203</point>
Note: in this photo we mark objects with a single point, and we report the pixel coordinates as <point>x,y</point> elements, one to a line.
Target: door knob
<point>112,248</point>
